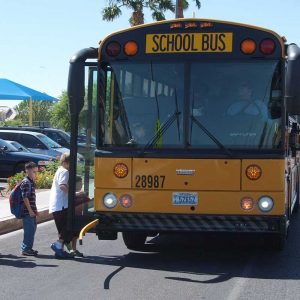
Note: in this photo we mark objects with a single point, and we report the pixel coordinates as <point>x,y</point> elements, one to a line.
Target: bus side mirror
<point>76,88</point>
<point>292,83</point>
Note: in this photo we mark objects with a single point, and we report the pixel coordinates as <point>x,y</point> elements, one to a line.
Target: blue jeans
<point>29,227</point>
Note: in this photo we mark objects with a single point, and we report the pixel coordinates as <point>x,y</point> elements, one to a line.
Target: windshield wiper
<point>161,131</point>
<point>211,136</point>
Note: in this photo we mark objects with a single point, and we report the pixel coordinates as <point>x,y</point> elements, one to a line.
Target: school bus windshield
<point>184,104</point>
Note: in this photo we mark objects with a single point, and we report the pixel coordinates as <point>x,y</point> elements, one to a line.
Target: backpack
<point>16,201</point>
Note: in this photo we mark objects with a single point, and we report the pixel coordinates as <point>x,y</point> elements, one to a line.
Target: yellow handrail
<point>86,228</point>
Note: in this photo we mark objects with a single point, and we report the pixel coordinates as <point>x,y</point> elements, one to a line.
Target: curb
<point>13,224</point>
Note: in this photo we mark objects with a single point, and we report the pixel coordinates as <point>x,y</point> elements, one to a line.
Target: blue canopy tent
<point>10,90</point>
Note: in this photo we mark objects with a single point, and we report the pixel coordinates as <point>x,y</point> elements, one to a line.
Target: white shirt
<point>255,108</point>
<point>58,198</point>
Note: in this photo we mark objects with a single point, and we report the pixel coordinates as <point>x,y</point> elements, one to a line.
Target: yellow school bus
<point>195,130</point>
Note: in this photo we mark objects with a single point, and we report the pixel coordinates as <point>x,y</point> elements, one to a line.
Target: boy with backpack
<point>30,212</point>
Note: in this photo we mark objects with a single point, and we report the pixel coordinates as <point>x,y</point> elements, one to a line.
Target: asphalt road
<point>170,267</point>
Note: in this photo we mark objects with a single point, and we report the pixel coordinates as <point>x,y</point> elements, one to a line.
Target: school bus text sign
<point>189,42</point>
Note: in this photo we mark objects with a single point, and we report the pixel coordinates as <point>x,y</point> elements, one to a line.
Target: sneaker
<point>69,247</point>
<point>77,253</point>
<point>63,255</point>
<point>55,249</point>
<point>29,252</point>
<point>36,252</point>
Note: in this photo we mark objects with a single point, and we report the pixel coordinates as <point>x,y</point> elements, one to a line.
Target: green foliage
<point>14,180</point>
<point>52,167</point>
<point>157,7</point>
<point>60,116</point>
<point>41,111</point>
<point>111,12</point>
<point>14,122</point>
<point>185,4</point>
<point>44,178</point>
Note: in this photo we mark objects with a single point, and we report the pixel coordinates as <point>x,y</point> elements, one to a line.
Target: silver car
<point>36,142</point>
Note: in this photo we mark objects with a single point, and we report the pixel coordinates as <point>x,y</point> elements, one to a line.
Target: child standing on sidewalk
<point>30,211</point>
<point>58,206</point>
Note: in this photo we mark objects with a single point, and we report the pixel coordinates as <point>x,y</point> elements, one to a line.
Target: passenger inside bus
<point>139,133</point>
<point>200,101</point>
<point>247,104</point>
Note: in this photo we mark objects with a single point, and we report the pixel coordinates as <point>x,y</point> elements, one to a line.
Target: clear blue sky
<point>38,37</point>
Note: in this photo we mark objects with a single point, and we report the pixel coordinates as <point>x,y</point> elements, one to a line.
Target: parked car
<point>13,161</point>
<point>59,136</point>
<point>36,142</point>
<point>82,138</point>
<point>18,146</point>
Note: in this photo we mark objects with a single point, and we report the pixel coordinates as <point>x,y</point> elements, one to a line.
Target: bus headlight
<point>265,203</point>
<point>110,200</point>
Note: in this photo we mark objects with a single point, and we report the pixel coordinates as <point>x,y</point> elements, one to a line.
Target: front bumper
<point>119,222</point>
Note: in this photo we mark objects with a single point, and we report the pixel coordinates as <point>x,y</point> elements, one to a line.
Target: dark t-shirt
<point>28,191</point>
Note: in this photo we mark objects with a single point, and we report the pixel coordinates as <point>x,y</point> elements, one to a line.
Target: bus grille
<point>178,222</point>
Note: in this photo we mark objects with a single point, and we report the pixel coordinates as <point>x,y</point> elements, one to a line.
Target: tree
<point>157,7</point>
<point>182,5</point>
<point>60,116</point>
<point>41,111</point>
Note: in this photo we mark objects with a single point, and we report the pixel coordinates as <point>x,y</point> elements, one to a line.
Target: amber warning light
<point>131,48</point>
<point>248,46</point>
<point>253,172</point>
<point>120,170</point>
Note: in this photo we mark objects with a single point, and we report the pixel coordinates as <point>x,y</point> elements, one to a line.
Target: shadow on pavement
<point>221,257</point>
<point>22,262</point>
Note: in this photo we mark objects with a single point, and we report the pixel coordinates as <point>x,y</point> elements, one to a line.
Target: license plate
<point>189,42</point>
<point>185,198</point>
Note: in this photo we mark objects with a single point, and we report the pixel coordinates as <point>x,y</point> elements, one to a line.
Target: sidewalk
<point>9,223</point>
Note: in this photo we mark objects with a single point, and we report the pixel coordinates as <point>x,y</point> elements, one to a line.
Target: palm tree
<point>157,7</point>
<point>182,5</point>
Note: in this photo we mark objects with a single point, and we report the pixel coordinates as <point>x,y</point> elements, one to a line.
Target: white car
<point>36,142</point>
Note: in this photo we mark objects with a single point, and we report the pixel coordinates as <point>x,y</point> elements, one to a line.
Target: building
<point>7,113</point>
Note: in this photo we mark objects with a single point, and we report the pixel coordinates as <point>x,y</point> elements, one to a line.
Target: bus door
<point>83,139</point>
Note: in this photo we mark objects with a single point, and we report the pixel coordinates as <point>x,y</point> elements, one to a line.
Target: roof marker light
<point>113,49</point>
<point>131,48</point>
<point>267,46</point>
<point>248,46</point>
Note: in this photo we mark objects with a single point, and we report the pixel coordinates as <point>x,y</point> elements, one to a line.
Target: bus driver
<point>247,105</point>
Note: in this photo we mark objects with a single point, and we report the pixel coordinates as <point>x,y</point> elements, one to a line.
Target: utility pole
<point>179,9</point>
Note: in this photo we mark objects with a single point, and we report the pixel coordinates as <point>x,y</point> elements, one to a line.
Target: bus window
<point>151,110</point>
<point>240,104</point>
